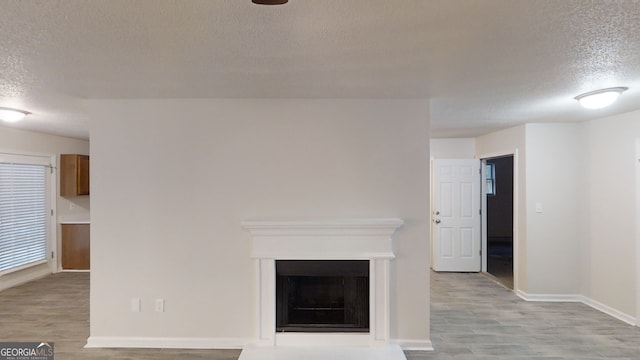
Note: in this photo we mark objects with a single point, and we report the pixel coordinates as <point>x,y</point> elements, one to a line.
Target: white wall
<point>585,241</point>
<point>612,217</point>
<point>463,148</point>
<point>512,141</point>
<point>27,142</point>
<point>172,180</point>
<point>555,179</point>
<point>550,169</point>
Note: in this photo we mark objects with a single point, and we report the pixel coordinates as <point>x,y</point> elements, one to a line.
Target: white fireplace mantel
<point>335,239</point>
<point>338,239</point>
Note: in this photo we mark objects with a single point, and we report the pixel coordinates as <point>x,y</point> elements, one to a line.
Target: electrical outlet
<point>159,305</point>
<point>135,305</point>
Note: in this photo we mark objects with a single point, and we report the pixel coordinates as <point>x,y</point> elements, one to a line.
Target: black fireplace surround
<point>322,295</point>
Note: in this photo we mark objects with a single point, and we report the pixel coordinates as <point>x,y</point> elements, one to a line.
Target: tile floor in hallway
<point>472,318</point>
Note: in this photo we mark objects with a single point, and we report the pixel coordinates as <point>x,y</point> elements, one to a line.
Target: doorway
<point>499,218</point>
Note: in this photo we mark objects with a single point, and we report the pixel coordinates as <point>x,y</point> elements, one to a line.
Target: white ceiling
<point>484,64</point>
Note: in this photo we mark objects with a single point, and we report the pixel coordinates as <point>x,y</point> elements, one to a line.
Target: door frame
<point>637,232</point>
<point>516,221</point>
<point>52,252</point>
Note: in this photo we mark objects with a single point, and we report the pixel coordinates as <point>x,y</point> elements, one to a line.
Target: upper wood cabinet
<point>74,175</point>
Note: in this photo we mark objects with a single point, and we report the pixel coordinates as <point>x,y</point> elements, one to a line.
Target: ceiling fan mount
<point>269,2</point>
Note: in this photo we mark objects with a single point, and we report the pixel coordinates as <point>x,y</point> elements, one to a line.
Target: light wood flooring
<point>56,308</point>
<point>472,318</point>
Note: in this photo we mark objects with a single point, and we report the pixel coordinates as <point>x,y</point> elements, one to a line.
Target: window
<point>490,176</point>
<point>23,211</point>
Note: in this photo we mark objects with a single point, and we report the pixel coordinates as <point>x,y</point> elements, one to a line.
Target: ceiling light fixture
<point>600,98</point>
<point>12,115</point>
<point>269,2</point>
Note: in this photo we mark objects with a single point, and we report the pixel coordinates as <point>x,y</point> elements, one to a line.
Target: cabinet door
<point>83,175</point>
<point>75,246</point>
<point>74,175</point>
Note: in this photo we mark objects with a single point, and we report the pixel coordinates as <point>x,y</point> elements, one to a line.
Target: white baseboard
<point>210,343</point>
<point>631,320</point>
<point>414,344</point>
<point>23,276</point>
<point>165,343</point>
<point>550,297</point>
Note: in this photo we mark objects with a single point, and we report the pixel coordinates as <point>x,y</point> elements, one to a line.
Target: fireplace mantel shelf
<point>323,239</point>
<point>316,225</point>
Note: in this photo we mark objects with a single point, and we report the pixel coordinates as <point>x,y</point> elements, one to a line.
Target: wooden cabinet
<point>74,175</point>
<point>75,246</point>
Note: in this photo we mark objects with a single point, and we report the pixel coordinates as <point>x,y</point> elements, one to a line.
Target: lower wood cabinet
<point>75,246</point>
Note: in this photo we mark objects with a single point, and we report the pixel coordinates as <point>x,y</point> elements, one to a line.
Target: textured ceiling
<point>484,64</point>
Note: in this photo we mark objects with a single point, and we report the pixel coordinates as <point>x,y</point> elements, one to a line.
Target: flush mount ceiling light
<point>600,98</point>
<point>269,2</point>
<point>12,115</point>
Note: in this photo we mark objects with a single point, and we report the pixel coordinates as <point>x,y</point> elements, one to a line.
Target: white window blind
<point>23,214</point>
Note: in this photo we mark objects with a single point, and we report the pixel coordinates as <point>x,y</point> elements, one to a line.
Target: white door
<point>456,215</point>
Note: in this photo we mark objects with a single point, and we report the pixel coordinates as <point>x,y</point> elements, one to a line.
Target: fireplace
<point>322,296</point>
<point>323,282</point>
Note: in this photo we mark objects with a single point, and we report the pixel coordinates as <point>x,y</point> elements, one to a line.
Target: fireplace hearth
<point>322,296</point>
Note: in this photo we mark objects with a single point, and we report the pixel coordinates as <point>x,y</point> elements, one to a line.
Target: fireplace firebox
<point>322,296</point>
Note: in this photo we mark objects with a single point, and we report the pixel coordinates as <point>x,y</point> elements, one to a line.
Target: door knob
<point>437,221</point>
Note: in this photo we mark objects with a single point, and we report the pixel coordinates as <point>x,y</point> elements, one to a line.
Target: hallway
<point>474,318</point>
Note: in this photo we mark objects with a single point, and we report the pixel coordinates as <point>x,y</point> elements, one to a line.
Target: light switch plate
<point>159,305</point>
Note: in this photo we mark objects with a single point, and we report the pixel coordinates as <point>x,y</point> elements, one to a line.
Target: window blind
<point>23,214</point>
